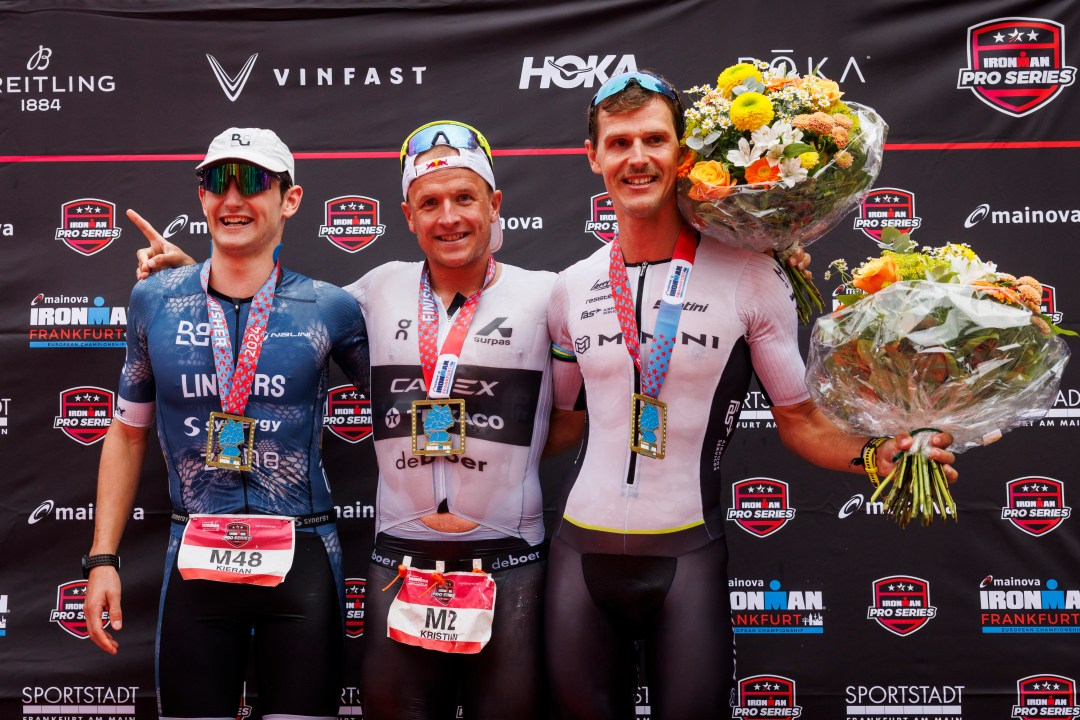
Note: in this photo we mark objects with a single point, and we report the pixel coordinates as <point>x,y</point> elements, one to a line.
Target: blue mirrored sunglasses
<point>250,179</point>
<point>643,80</point>
<point>444,132</point>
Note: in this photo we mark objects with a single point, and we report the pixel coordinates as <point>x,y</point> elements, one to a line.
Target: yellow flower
<point>876,274</point>
<point>711,181</point>
<point>809,160</point>
<point>734,75</point>
<point>750,111</point>
<point>843,159</point>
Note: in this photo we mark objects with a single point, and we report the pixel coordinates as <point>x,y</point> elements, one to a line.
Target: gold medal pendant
<point>437,417</point>
<point>230,441</point>
<point>648,426</point>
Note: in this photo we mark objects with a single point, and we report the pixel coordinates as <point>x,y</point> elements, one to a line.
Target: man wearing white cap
<point>459,522</point>
<point>230,359</point>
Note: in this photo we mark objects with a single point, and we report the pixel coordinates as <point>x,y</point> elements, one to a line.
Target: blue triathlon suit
<point>206,628</point>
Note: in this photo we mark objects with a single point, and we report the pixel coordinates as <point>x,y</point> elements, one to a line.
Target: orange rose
<point>876,274</point>
<point>760,171</point>
<point>687,163</point>
<point>825,87</point>
<point>711,181</point>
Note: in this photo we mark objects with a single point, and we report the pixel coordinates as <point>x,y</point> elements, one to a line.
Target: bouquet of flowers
<point>936,340</point>
<point>776,160</point>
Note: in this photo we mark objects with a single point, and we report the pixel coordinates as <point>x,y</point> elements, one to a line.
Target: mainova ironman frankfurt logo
<point>1016,65</point>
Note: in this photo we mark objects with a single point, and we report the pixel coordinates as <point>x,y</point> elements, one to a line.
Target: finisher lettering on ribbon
<point>230,437</point>
<point>433,418</point>
<point>648,414</point>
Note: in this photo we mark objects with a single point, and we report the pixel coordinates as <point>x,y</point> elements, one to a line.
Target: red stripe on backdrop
<point>380,155</point>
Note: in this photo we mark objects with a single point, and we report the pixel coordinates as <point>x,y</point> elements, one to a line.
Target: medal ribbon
<point>667,320</point>
<point>234,384</point>
<point>427,320</point>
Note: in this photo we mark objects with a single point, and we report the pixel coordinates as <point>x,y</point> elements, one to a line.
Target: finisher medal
<point>648,426</point>
<point>230,441</point>
<point>438,418</point>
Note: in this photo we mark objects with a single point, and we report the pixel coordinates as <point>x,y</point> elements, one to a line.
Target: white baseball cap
<point>255,145</point>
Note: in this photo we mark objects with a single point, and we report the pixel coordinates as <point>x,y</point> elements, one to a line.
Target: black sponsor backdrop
<point>129,101</point>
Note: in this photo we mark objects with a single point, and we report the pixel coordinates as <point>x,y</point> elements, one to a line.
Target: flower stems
<point>918,489</point>
<point>807,297</point>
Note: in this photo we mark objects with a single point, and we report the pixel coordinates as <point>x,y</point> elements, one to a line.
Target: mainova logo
<point>347,413</point>
<point>573,71</point>
<point>1035,505</point>
<point>771,696</point>
<point>776,610</point>
<point>887,207</point>
<point>87,225</point>
<point>1016,65</point>
<point>351,222</point>
<point>1022,216</point>
<point>602,223</point>
<point>901,604</point>
<point>760,506</point>
<point>1045,696</point>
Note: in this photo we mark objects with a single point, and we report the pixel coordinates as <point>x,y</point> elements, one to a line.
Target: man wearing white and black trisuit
<point>639,554</point>
<point>230,359</point>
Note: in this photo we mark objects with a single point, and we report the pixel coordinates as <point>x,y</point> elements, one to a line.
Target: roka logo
<point>760,506</point>
<point>1036,505</point>
<point>68,614</point>
<point>1016,65</point>
<point>87,225</point>
<point>887,207</point>
<point>352,222</point>
<point>602,222</point>
<point>85,413</point>
<point>1044,696</point>
<point>901,604</point>
<point>348,413</point>
<point>770,696</point>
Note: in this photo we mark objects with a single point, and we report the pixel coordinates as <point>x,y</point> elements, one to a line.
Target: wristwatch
<point>89,562</point>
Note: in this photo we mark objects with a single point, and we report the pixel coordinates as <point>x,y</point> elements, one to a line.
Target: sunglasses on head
<point>643,80</point>
<point>444,132</point>
<point>250,179</point>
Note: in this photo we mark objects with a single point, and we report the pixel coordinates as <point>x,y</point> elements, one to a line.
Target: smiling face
<point>637,153</point>
<point>248,225</point>
<point>451,212</point>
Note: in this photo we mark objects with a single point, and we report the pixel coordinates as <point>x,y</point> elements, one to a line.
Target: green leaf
<point>797,149</point>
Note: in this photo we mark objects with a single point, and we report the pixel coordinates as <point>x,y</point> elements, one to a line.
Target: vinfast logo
<point>1027,216</point>
<point>1035,505</point>
<point>85,413</point>
<point>354,607</point>
<point>1028,606</point>
<point>904,702</point>
<point>1016,65</point>
<point>232,83</point>
<point>901,604</point>
<point>771,696</point>
<point>776,611</point>
<point>887,207</point>
<point>1045,696</point>
<point>602,222</point>
<point>760,506</point>
<point>351,222</point>
<point>347,413</point>
<point>71,321</point>
<point>87,225</point>
<point>573,71</point>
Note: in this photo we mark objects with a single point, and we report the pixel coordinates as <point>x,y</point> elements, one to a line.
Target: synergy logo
<point>76,321</point>
<point>775,611</point>
<point>572,71</point>
<point>85,413</point>
<point>1016,65</point>
<point>602,223</point>
<point>73,702</point>
<point>901,604</point>
<point>1035,505</point>
<point>69,609</point>
<point>354,607</point>
<point>1027,605</point>
<point>87,225</point>
<point>760,506</point>
<point>1045,696</point>
<point>352,222</point>
<point>915,701</point>
<point>887,207</point>
<point>347,413</point>
<point>771,696</point>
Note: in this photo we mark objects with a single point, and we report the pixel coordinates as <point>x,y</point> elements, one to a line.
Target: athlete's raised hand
<point>161,254</point>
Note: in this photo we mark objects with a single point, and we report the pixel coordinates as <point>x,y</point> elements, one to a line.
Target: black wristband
<point>89,562</point>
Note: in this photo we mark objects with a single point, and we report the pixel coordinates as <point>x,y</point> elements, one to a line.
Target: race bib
<point>452,616</point>
<point>247,549</point>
